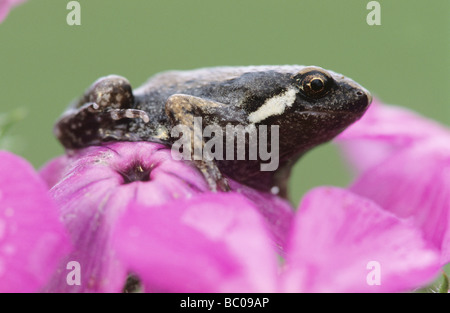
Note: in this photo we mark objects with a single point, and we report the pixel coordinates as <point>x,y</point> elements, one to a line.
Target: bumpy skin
<point>310,105</point>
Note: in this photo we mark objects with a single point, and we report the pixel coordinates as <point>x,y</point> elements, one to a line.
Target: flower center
<point>136,172</point>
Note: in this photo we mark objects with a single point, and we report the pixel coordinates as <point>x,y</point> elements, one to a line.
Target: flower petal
<point>210,243</point>
<point>6,6</point>
<point>383,131</point>
<point>414,184</point>
<point>277,212</point>
<point>53,171</point>
<point>336,235</point>
<point>32,239</point>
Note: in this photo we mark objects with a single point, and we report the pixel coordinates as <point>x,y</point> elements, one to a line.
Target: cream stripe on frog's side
<point>274,106</point>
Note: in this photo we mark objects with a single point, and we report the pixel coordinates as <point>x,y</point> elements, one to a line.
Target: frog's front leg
<point>181,109</point>
<point>98,115</point>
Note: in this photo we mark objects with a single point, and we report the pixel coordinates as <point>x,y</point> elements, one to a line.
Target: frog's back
<point>216,83</point>
<point>231,86</point>
<point>190,79</point>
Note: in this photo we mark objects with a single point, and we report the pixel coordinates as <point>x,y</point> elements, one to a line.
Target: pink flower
<point>210,243</point>
<point>6,6</point>
<point>99,184</point>
<point>131,209</point>
<point>403,161</point>
<point>220,243</point>
<point>32,239</point>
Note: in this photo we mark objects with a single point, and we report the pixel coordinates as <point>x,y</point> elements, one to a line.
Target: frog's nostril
<point>361,93</point>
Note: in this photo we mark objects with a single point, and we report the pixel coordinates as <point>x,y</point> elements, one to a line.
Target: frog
<point>309,105</point>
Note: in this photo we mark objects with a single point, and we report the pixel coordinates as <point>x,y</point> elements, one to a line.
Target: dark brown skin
<point>309,104</point>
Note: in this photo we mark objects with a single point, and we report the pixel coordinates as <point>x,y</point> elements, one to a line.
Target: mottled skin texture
<point>321,104</point>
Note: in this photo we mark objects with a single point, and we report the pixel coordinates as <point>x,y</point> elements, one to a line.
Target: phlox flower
<point>97,185</point>
<point>127,209</point>
<point>402,162</point>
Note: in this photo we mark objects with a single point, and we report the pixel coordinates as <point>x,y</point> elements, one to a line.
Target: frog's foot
<point>115,114</point>
<point>213,176</point>
<point>96,116</point>
<point>118,114</point>
<point>92,124</point>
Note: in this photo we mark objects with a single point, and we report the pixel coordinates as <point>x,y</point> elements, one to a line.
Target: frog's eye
<point>314,83</point>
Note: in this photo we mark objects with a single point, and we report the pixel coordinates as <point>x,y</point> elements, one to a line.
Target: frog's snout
<point>361,97</point>
<point>364,93</point>
<point>362,100</point>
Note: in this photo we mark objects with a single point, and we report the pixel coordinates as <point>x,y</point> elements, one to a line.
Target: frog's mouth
<point>328,119</point>
<point>342,117</point>
<point>330,113</point>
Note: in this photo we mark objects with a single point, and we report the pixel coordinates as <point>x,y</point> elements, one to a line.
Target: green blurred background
<point>45,63</point>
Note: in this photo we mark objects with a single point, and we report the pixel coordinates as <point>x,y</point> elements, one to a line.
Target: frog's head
<point>322,91</point>
<point>313,107</point>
